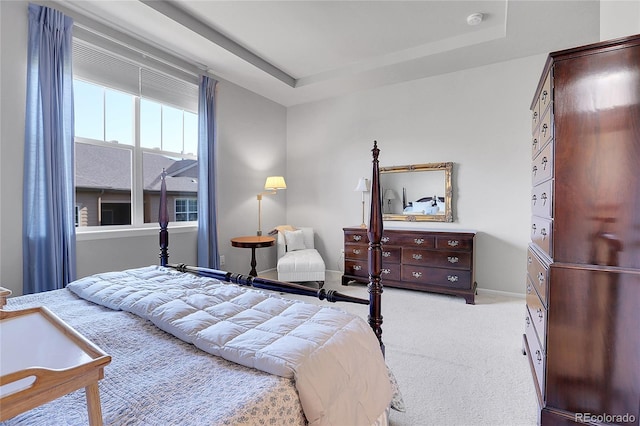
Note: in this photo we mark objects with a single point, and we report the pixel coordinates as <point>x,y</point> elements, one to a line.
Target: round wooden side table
<point>253,242</point>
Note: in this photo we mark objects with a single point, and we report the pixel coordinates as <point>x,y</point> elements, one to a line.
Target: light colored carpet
<point>456,364</point>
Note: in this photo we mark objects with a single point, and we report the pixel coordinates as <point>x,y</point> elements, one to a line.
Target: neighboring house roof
<point>100,167</point>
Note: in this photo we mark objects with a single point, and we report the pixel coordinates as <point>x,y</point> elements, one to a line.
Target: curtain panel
<point>207,150</point>
<point>49,257</point>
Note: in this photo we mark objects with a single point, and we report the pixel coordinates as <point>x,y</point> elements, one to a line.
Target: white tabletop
<point>31,340</point>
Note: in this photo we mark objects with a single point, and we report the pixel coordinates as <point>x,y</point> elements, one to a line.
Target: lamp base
<point>259,233</point>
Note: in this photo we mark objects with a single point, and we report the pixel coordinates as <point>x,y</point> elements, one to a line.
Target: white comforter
<point>333,356</point>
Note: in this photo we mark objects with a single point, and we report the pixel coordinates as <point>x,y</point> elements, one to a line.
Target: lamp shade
<point>389,194</point>
<point>362,185</point>
<point>274,183</point>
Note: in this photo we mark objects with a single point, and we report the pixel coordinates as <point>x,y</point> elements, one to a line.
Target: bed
<point>197,346</point>
<point>424,205</point>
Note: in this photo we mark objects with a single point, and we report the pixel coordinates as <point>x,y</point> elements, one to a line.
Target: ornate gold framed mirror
<point>417,192</point>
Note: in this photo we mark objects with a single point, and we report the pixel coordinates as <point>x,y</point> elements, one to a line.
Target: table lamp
<point>271,186</point>
<point>389,195</point>
<point>362,187</point>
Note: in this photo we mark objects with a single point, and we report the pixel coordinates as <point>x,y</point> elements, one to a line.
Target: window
<point>186,209</point>
<point>131,123</point>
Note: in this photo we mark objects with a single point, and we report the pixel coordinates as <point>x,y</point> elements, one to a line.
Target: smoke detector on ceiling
<point>474,18</point>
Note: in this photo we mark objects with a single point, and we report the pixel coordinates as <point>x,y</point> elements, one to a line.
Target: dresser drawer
<point>542,233</point>
<point>538,357</point>
<point>356,236</point>
<point>538,317</point>
<point>535,117</point>
<point>542,168</point>
<point>392,272</point>
<point>545,133</point>
<point>454,242</point>
<point>535,144</point>
<point>391,255</point>
<point>411,240</point>
<point>436,276</point>
<point>357,268</point>
<point>545,95</point>
<point>439,258</point>
<point>538,274</point>
<point>542,199</point>
<point>356,251</point>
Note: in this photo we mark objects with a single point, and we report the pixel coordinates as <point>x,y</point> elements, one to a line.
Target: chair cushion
<point>301,265</point>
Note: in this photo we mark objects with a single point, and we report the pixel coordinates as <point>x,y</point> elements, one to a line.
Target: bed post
<point>163,220</point>
<point>375,250</point>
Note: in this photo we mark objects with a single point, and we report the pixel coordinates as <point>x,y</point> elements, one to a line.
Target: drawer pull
<point>452,259</point>
<point>539,356</point>
<point>544,129</point>
<point>535,116</point>
<point>452,278</point>
<point>357,267</point>
<point>416,256</point>
<point>528,321</point>
<point>386,254</point>
<point>453,243</point>
<point>544,96</point>
<point>528,288</point>
<point>386,271</point>
<point>534,199</point>
<point>416,274</point>
<point>357,237</point>
<point>544,163</point>
<point>541,278</point>
<point>540,315</point>
<point>543,197</point>
<point>385,239</point>
<point>418,241</point>
<point>356,251</point>
<point>529,260</point>
<point>535,142</point>
<point>543,232</point>
<point>533,228</point>
<point>534,170</point>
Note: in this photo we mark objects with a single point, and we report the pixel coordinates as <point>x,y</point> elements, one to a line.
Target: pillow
<point>423,206</point>
<point>295,240</point>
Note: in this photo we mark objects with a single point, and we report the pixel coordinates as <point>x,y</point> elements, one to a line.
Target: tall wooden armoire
<point>583,283</point>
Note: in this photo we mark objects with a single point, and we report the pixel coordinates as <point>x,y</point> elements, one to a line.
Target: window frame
<point>137,154</point>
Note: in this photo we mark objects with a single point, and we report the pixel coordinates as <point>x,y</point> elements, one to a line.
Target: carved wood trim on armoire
<point>582,323</point>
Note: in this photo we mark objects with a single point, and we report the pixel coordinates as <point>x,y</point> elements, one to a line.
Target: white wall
<point>478,119</point>
<point>619,18</point>
<point>252,145</point>
<point>252,140</point>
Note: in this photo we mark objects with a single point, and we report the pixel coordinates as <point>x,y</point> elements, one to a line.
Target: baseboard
<point>501,293</point>
<point>333,275</point>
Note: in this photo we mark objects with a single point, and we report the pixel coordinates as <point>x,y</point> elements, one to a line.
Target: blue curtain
<point>49,252</point>
<point>207,143</point>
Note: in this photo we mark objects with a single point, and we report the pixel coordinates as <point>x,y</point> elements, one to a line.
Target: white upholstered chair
<point>298,260</point>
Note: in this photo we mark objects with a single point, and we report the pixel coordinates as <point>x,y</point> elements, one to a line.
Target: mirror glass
<point>417,192</point>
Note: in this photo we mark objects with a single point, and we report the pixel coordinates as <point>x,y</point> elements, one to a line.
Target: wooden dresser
<point>582,321</point>
<point>434,261</point>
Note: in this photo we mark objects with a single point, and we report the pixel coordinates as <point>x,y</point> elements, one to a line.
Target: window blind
<point>101,66</point>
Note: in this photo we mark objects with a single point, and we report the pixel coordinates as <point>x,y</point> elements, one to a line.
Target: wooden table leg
<point>93,404</point>
<point>253,272</point>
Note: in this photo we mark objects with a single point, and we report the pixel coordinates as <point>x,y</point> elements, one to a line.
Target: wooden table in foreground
<point>43,359</point>
<point>253,242</point>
